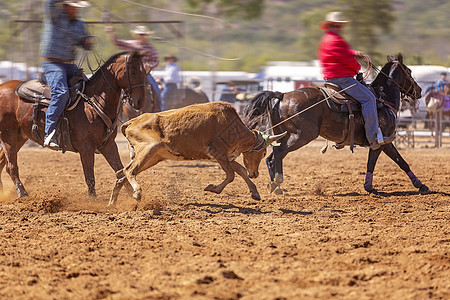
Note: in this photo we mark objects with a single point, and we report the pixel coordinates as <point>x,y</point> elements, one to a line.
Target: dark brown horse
<point>88,126</point>
<point>305,115</point>
<point>182,97</point>
<point>186,96</point>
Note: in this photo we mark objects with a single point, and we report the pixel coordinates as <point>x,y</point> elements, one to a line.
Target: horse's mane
<point>102,68</point>
<point>256,111</point>
<point>383,80</point>
<point>382,76</point>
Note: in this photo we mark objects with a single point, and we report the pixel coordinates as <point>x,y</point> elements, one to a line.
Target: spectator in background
<point>140,44</point>
<point>63,32</point>
<point>228,93</point>
<point>171,79</point>
<point>440,83</point>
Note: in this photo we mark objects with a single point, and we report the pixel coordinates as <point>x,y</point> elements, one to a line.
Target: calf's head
<point>253,157</point>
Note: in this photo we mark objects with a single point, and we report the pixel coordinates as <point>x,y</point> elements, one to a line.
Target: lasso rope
<point>309,107</point>
<point>162,40</point>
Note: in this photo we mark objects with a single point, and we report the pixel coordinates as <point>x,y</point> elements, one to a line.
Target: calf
<point>209,131</point>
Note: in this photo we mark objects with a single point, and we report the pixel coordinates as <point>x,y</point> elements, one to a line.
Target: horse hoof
<point>271,187</point>
<point>374,192</point>
<point>418,184</point>
<point>256,196</point>
<point>369,188</point>
<point>22,194</point>
<point>424,190</point>
<point>137,196</point>
<point>278,191</point>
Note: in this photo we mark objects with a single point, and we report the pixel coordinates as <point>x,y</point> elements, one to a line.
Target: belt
<point>58,60</point>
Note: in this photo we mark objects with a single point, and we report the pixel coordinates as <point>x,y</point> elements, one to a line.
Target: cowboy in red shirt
<point>339,66</point>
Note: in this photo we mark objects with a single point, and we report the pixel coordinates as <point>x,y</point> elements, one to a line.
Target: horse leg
<point>393,153</point>
<point>111,154</point>
<point>87,161</point>
<point>9,158</point>
<point>371,162</point>
<point>241,171</point>
<point>275,160</point>
<point>274,164</point>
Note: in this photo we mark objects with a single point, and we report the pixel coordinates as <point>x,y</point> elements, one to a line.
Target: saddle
<point>339,101</point>
<point>37,92</point>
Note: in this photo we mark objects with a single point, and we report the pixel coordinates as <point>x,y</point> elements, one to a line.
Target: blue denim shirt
<point>60,36</point>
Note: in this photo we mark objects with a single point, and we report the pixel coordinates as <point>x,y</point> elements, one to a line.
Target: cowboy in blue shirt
<point>62,33</point>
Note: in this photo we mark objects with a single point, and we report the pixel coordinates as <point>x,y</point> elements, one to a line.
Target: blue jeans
<point>56,75</point>
<point>167,92</point>
<point>368,103</point>
<point>155,87</point>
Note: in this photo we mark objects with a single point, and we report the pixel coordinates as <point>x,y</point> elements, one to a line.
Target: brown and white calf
<point>209,131</point>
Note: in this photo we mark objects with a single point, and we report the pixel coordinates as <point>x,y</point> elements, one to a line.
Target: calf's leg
<point>238,168</point>
<point>145,157</point>
<point>229,171</point>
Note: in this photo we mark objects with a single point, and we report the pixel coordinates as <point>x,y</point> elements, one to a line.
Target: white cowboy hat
<point>170,57</point>
<point>77,3</point>
<point>141,30</point>
<point>334,17</point>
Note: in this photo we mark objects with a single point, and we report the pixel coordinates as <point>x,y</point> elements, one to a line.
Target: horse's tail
<point>258,107</point>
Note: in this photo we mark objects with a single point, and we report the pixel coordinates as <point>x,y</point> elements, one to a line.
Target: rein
<point>128,91</point>
<point>402,90</point>
<point>111,125</point>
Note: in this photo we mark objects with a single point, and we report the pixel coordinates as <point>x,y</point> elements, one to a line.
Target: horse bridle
<point>405,93</point>
<point>128,91</point>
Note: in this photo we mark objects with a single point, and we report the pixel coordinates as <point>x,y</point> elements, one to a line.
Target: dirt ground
<point>325,238</point>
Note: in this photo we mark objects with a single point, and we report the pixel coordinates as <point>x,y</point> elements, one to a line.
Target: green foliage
<point>245,9</point>
<point>366,18</point>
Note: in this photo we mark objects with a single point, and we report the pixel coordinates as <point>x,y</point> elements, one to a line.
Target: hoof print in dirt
<point>205,280</point>
<point>231,275</point>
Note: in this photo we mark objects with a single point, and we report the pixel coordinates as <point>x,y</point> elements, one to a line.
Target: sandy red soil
<point>324,239</point>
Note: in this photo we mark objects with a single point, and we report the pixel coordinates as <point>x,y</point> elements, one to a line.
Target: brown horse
<point>305,115</point>
<point>91,122</point>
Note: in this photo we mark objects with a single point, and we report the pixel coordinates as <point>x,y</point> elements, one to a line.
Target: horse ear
<point>400,57</point>
<point>390,58</point>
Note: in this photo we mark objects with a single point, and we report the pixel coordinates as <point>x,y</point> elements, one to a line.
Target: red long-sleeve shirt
<point>336,57</point>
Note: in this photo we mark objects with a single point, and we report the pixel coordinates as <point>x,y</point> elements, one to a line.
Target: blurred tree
<point>245,9</point>
<point>368,18</point>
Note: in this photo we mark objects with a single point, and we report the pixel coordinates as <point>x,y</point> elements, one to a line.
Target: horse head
<point>132,79</point>
<point>401,76</point>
